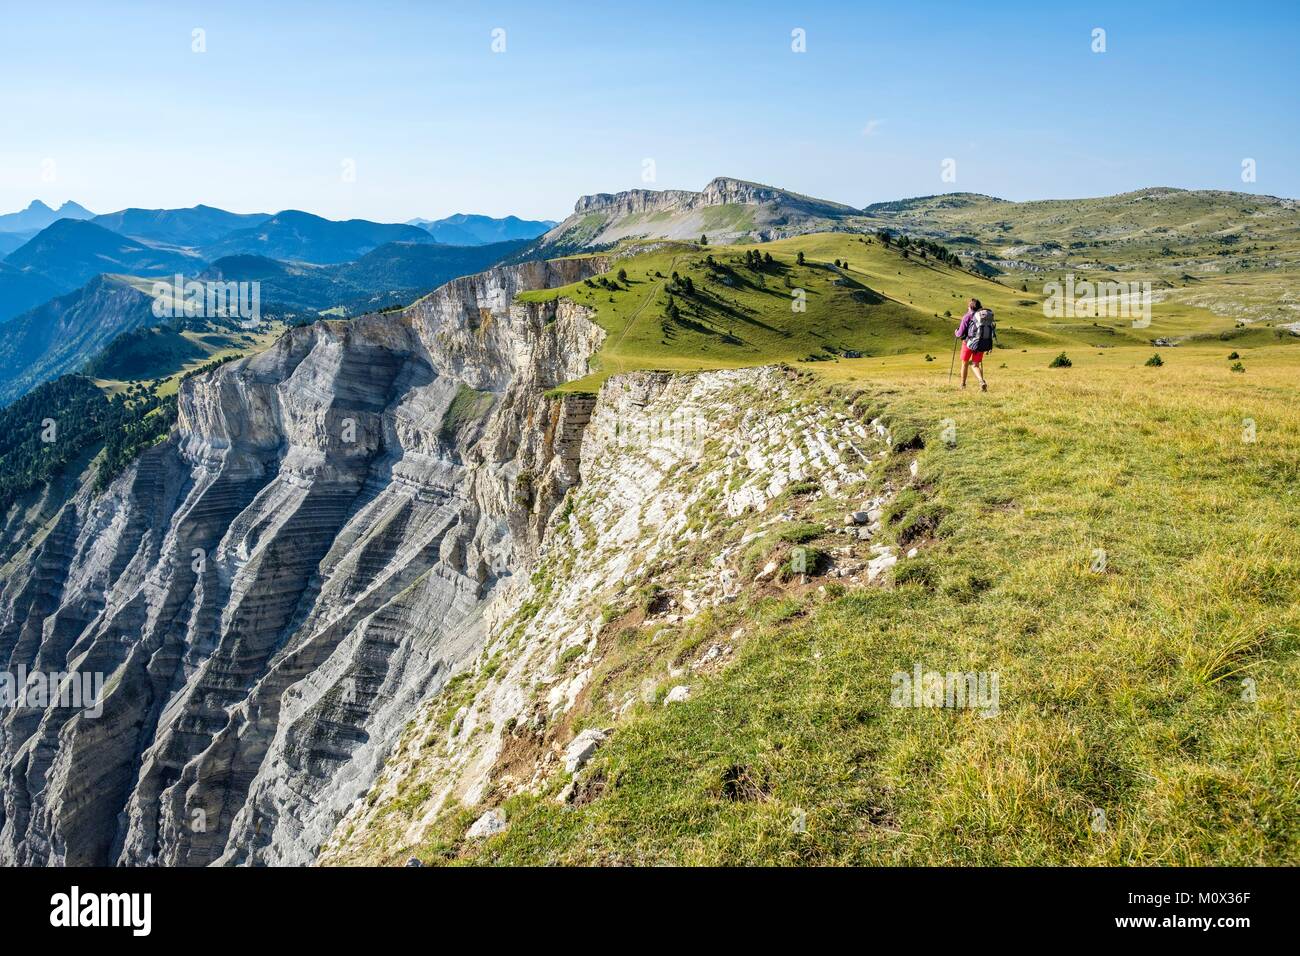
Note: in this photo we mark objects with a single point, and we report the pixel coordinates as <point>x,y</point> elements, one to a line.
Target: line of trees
<point>922,248</point>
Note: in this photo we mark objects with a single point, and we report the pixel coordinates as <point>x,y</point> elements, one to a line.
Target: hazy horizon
<point>560,217</point>
<point>429,111</point>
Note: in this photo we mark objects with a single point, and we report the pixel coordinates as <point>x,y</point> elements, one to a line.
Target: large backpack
<point>980,331</point>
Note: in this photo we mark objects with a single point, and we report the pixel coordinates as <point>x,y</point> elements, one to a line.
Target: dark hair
<point>975,305</point>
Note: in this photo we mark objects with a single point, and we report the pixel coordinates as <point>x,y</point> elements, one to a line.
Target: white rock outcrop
<point>677,695</point>
<point>581,749</point>
<point>489,824</point>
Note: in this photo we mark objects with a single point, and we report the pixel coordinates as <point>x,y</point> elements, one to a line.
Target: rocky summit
<point>725,210</point>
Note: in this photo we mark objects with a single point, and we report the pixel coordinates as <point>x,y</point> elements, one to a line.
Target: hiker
<point>976,333</point>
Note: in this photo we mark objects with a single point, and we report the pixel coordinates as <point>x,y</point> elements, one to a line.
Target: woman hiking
<point>976,334</point>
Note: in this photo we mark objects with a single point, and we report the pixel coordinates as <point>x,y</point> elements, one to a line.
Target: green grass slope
<point>878,302</point>
<point>1226,252</point>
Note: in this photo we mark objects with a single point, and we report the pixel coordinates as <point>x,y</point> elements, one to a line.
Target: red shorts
<point>967,355</point>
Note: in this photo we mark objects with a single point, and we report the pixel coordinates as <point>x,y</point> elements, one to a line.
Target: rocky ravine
<point>272,591</point>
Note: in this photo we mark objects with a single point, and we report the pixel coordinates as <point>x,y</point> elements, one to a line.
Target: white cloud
<point>871,127</point>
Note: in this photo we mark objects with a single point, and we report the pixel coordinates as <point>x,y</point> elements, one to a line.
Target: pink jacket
<point>965,321</point>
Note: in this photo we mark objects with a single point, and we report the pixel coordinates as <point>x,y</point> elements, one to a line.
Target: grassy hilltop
<point>877,301</point>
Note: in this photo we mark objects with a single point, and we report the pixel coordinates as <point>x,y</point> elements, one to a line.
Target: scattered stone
<point>912,552</point>
<point>490,824</point>
<point>414,861</point>
<point>712,654</point>
<point>581,748</point>
<point>678,694</point>
<point>857,517</point>
<point>916,466</point>
<point>881,564</point>
<point>768,570</point>
<point>566,794</point>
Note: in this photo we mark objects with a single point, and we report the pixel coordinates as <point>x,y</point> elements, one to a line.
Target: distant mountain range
<point>70,289</point>
<point>213,233</point>
<point>196,226</point>
<point>72,251</point>
<point>69,253</point>
<point>470,230</point>
<point>301,236</point>
<point>396,272</point>
<point>38,215</point>
<point>48,252</point>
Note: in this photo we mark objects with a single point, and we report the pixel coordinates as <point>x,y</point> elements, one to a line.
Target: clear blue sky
<point>437,123</point>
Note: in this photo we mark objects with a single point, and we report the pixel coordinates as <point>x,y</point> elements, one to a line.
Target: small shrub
<point>1238,367</point>
<point>1061,361</point>
<point>1155,361</point>
<point>803,560</point>
<point>1234,355</point>
<point>655,600</point>
<point>800,488</point>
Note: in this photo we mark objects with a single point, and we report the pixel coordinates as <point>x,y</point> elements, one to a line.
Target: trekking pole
<point>953,361</point>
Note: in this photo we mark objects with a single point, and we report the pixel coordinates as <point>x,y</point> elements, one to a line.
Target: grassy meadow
<point>877,302</point>
<point>167,355</point>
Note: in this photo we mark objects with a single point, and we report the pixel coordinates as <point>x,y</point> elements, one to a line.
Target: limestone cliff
<point>725,210</point>
<point>271,592</point>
